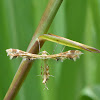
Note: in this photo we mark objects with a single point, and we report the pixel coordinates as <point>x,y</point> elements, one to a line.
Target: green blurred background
<point>78,20</point>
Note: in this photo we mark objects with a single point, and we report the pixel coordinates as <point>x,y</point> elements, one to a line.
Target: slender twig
<point>25,65</point>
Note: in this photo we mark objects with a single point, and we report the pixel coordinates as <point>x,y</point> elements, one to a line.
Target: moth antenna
<point>63,49</point>
<point>38,44</point>
<point>54,49</point>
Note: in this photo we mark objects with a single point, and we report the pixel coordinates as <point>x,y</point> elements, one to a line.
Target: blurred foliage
<point>78,20</point>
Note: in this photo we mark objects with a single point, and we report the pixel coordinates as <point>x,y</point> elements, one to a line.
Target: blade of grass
<point>25,65</point>
<point>68,42</point>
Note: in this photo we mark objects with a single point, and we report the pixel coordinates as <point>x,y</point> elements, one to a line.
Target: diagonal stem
<point>33,47</point>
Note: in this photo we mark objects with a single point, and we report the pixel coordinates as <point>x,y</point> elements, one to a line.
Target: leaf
<point>68,42</point>
<point>91,93</point>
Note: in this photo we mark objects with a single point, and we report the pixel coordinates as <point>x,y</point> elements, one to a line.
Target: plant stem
<point>33,47</point>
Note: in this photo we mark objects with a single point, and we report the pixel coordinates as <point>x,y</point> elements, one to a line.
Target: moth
<point>71,54</point>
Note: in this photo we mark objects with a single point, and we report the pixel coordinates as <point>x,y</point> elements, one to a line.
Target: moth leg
<point>46,87</point>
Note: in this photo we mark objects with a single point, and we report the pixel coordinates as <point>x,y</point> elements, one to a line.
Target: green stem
<point>25,65</point>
